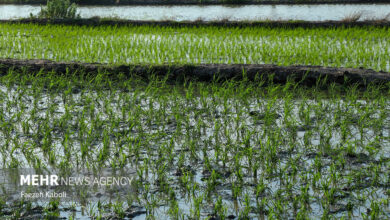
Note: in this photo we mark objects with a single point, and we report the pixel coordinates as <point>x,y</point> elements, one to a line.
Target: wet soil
<point>308,75</point>
<point>196,2</point>
<point>97,21</point>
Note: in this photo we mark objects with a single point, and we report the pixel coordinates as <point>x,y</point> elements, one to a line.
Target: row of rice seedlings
<point>208,149</point>
<point>348,47</point>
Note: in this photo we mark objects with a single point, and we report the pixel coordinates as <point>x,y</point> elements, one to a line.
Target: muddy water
<point>208,13</point>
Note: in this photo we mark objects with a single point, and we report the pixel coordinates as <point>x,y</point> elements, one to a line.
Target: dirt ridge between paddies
<point>96,21</point>
<point>308,75</point>
<point>198,2</point>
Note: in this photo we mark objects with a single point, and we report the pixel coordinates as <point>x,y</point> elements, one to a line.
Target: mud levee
<point>197,2</point>
<point>205,72</point>
<point>272,24</point>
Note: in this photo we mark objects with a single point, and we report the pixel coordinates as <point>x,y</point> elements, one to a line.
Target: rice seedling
<point>205,149</point>
<point>348,47</point>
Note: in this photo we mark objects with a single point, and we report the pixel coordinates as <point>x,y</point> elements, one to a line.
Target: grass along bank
<point>307,75</point>
<point>366,47</point>
<point>239,148</point>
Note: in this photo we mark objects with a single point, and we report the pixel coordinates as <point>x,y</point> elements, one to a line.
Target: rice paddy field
<point>232,149</point>
<point>366,47</point>
<point>246,13</point>
<point>237,149</point>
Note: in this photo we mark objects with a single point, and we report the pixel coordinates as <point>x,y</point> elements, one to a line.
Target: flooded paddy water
<point>320,12</point>
<point>235,150</point>
<point>197,150</point>
<point>353,47</point>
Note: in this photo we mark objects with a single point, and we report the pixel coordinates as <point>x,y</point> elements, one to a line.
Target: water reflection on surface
<point>219,12</point>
